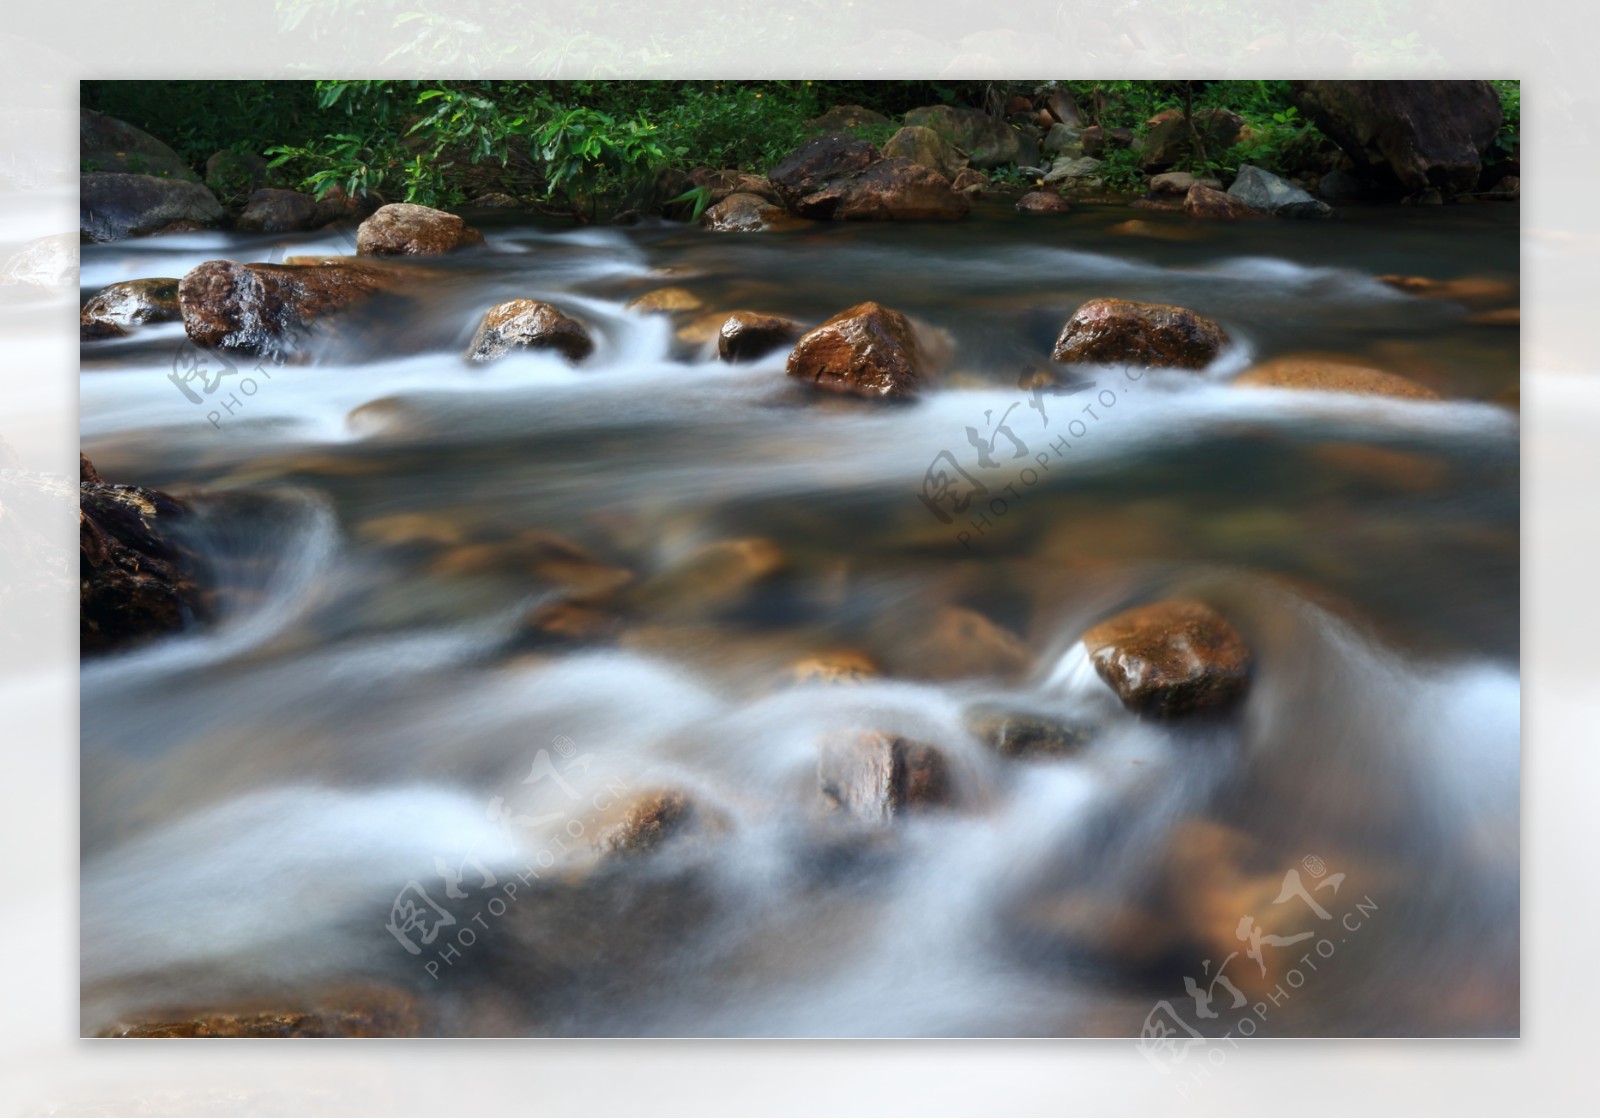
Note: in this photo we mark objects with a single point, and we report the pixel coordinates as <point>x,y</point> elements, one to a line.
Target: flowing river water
<point>364,775</point>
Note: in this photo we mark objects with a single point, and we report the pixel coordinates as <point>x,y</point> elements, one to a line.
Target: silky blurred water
<point>362,713</point>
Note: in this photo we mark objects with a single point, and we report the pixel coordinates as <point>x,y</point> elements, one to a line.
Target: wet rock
<point>1415,135</point>
<point>529,325</point>
<point>1167,140</point>
<point>1064,140</point>
<point>135,583</point>
<point>875,777</point>
<point>970,182</point>
<point>1158,231</point>
<point>1319,374</point>
<point>1043,202</point>
<point>1022,734</point>
<point>841,179</point>
<point>748,335</point>
<point>746,213</point>
<point>867,350</point>
<point>927,147</point>
<point>404,229</point>
<point>713,580</point>
<point>988,141</point>
<point>277,211</point>
<point>130,303</point>
<point>106,144</point>
<point>845,666</point>
<point>956,643</point>
<point>1092,926</point>
<point>647,822</point>
<point>113,206</point>
<point>1153,334</point>
<point>364,1013</point>
<point>1474,291</point>
<point>1264,191</point>
<point>666,301</point>
<point>1382,468</point>
<point>810,179</point>
<point>565,624</point>
<point>1170,658</point>
<point>847,118</point>
<point>1203,202</point>
<point>1502,316</point>
<point>267,307</point>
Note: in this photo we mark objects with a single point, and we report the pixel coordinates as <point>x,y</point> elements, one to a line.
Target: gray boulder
<point>113,206</point>
<point>1274,195</point>
<point>1063,139</point>
<point>108,144</point>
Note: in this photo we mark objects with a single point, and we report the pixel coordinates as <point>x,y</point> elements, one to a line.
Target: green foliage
<point>1282,140</point>
<point>739,126</point>
<point>198,118</point>
<point>579,143</point>
<point>1506,141</point>
<point>1120,170</point>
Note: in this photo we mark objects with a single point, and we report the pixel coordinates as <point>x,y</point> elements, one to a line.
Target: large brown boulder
<point>988,141</point>
<point>404,229</point>
<point>129,303</point>
<point>1318,374</point>
<point>135,583</point>
<point>867,350</point>
<point>925,146</point>
<point>1414,135</point>
<point>843,179</point>
<point>899,190</point>
<point>531,325</point>
<point>267,307</point>
<point>874,777</point>
<point>113,206</point>
<point>746,213</point>
<point>1205,202</point>
<point>1043,202</point>
<point>1170,658</point>
<point>1120,330</point>
<point>748,335</point>
<point>1168,141</point>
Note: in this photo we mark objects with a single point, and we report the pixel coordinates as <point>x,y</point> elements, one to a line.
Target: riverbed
<point>370,771</point>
